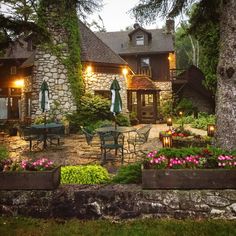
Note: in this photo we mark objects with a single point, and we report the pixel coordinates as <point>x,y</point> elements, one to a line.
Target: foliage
<point>90,174</point>
<point>37,165</point>
<point>185,105</point>
<point>185,120</point>
<point>4,154</point>
<point>190,158</point>
<point>203,120</point>
<point>128,174</point>
<point>166,108</point>
<point>122,120</point>
<point>92,109</point>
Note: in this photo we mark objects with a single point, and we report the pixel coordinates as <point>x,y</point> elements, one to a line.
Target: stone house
<point>150,56</point>
<point>26,67</point>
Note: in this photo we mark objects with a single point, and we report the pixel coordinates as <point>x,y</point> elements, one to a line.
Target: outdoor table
<point>44,128</point>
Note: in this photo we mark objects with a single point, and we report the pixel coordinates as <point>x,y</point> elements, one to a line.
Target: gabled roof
<point>140,82</point>
<point>94,49</point>
<point>120,42</point>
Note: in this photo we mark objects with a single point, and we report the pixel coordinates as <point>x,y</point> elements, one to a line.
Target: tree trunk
<point>226,84</point>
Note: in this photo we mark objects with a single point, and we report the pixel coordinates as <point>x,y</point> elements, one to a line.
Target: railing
<point>147,70</point>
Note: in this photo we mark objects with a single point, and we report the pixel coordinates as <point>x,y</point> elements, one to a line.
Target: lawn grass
<point>19,226</point>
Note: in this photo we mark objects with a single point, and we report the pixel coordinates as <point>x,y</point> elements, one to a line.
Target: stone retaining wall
<point>118,202</point>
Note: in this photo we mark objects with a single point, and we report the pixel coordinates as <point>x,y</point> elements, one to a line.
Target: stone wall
<point>166,91</point>
<point>48,68</point>
<point>102,81</point>
<point>118,202</point>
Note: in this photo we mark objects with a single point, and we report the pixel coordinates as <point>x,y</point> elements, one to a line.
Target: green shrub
<point>166,108</point>
<point>122,120</point>
<point>4,154</point>
<point>92,109</point>
<point>185,120</point>
<point>129,174</point>
<point>90,174</point>
<point>202,121</point>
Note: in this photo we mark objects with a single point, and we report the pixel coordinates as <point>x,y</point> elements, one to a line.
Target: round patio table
<point>45,128</point>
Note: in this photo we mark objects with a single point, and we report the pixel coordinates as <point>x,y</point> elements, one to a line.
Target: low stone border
<point>118,202</point>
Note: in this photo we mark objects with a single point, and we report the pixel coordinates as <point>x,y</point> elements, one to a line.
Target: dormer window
<point>145,61</point>
<point>140,40</point>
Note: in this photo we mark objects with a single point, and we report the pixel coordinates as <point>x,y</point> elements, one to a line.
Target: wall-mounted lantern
<point>211,128</point>
<point>19,83</point>
<point>167,140</point>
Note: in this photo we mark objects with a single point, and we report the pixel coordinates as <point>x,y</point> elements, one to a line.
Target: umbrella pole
<point>45,132</point>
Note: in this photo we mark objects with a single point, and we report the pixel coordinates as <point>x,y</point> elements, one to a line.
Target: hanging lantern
<point>169,121</point>
<point>167,140</point>
<point>211,128</point>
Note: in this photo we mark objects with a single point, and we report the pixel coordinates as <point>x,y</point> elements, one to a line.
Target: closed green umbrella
<point>116,102</point>
<point>44,99</point>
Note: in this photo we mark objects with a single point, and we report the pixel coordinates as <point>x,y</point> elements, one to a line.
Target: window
<point>13,70</point>
<point>145,62</point>
<point>140,40</point>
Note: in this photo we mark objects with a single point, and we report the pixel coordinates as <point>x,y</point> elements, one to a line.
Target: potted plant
<point>189,169</point>
<point>39,174</point>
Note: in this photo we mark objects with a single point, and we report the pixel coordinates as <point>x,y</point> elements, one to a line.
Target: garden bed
<point>189,179</point>
<point>49,179</point>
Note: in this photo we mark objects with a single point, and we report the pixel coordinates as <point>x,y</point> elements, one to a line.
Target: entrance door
<point>3,108</point>
<point>148,107</point>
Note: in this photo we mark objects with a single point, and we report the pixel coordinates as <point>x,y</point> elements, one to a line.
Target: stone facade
<point>102,81</point>
<point>166,91</point>
<point>118,202</point>
<point>49,68</point>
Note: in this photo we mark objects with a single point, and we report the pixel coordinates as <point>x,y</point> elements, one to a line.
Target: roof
<point>29,61</point>
<point>94,49</point>
<point>120,42</point>
<point>139,82</point>
<point>139,28</point>
<point>17,50</point>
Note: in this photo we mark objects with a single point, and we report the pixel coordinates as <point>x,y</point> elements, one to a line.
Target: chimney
<point>170,26</point>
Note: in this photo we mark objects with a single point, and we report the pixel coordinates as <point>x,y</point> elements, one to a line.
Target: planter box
<point>30,179</point>
<point>188,179</point>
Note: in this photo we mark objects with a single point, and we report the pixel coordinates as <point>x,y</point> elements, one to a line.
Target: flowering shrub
<point>38,165</point>
<point>189,158</point>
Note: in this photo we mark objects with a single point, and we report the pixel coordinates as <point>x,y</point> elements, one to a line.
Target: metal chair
<point>30,134</point>
<point>112,141</point>
<point>88,136</point>
<point>140,138</point>
<point>55,134</point>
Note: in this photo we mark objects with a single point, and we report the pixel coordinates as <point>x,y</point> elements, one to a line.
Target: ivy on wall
<point>62,14</point>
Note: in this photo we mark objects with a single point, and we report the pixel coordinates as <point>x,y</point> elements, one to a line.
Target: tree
<point>226,76</point>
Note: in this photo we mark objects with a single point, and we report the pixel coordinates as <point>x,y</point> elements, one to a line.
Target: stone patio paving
<point>75,151</point>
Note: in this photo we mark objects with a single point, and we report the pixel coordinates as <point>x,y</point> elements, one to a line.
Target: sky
<point>115,15</point>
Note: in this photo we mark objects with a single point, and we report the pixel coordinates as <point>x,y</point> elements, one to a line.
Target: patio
<point>74,149</point>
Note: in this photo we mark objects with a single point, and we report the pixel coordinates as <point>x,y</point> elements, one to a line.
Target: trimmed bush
<point>3,153</point>
<point>130,174</point>
<point>89,174</point>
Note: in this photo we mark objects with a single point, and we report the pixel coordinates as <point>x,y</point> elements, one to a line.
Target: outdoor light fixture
<point>167,140</point>
<point>19,83</point>
<point>181,113</point>
<point>211,130</point>
<point>125,71</point>
<point>169,121</point>
<point>89,69</point>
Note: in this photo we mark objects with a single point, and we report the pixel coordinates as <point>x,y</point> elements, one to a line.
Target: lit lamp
<point>169,121</point>
<point>167,140</point>
<point>181,113</point>
<point>19,83</point>
<point>211,130</point>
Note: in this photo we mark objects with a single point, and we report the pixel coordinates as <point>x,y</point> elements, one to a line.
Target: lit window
<point>13,70</point>
<point>139,40</point>
<point>145,62</point>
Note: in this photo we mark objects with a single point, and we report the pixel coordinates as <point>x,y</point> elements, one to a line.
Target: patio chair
<point>55,134</point>
<point>88,136</point>
<point>30,134</point>
<point>140,138</point>
<point>111,141</point>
